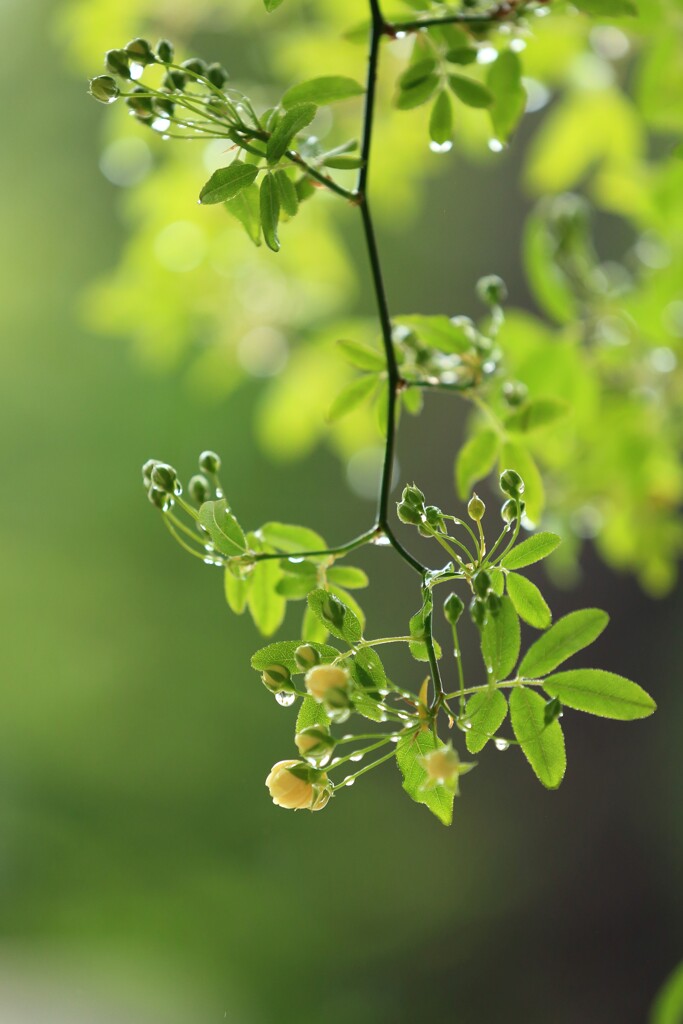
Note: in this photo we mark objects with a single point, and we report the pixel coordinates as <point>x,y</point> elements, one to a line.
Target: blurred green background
<point>144,874</point>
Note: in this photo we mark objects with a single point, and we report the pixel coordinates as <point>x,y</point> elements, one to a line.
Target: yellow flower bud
<point>296,786</point>
<point>444,768</point>
<point>323,680</point>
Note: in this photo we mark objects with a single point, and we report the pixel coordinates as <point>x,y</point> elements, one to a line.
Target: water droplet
<point>160,124</point>
<point>334,761</point>
<point>487,55</point>
<point>383,693</point>
<point>165,138</point>
<point>394,739</point>
<point>296,561</point>
<point>381,540</point>
<point>136,71</point>
<point>441,147</point>
<point>501,744</point>
<point>383,718</point>
<point>356,757</point>
<point>285,699</point>
<point>349,781</point>
<point>208,561</point>
<point>465,723</point>
<point>324,761</point>
<point>219,493</point>
<point>517,45</point>
<point>209,547</point>
<point>400,35</point>
<point>496,146</point>
<point>489,670</point>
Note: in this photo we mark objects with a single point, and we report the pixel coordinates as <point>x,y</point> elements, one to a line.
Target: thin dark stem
<point>342,549</point>
<point>500,12</point>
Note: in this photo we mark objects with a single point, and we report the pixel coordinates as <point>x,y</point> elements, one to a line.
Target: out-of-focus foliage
<point>190,290</point>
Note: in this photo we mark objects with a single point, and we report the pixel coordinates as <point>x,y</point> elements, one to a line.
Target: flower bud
<point>217,75</point>
<point>413,496</point>
<point>147,470</point>
<point>140,51</point>
<point>332,611</point>
<point>444,768</point>
<point>297,786</point>
<point>509,511</point>
<point>165,51</point>
<point>478,612</point>
<point>325,682</point>
<point>160,499</point>
<point>306,657</point>
<point>408,514</point>
<point>481,583</point>
<point>315,743</point>
<point>117,62</point>
<point>511,483</point>
<point>515,392</point>
<point>491,290</point>
<point>195,65</point>
<point>199,489</point>
<point>493,603</point>
<point>104,89</point>
<point>174,80</point>
<point>165,478</point>
<point>476,508</point>
<point>141,104</point>
<point>277,678</point>
<point>209,462</point>
<point>453,608</point>
<point>435,518</point>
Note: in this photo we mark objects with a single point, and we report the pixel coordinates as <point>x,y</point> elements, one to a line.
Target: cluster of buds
<point>411,509</point>
<point>163,485</point>
<point>512,485</point>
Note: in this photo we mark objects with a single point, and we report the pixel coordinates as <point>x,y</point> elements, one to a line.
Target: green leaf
<point>270,212</point>
<point>323,90</point>
<point>291,539</point>
<point>549,284</point>
<point>543,746</point>
<point>312,629</point>
<point>469,92</point>
<point>409,750</point>
<point>286,190</point>
<point>335,615</point>
<point>462,55</point>
<point>270,5</point>
<point>500,641</point>
<point>534,415</point>
<point>246,209</point>
<point>282,653</point>
<point>349,600</point>
<point>225,532</point>
<point>486,711</point>
<point>418,647</point>
<point>236,592</point>
<point>528,600</point>
<point>362,356</point>
<point>441,119</point>
<point>350,397</point>
<point>668,1006</point>
<point>266,605</point>
<point>227,182</point>
<point>475,461</point>
<point>348,576</point>
<point>311,712</point>
<point>570,634</point>
<point>414,95</point>
<point>600,693</point>
<point>368,672</point>
<point>515,456</point>
<point>417,73</point>
<point>607,8</point>
<point>294,121</point>
<point>531,550</point>
<point>454,336</point>
<point>504,80</point>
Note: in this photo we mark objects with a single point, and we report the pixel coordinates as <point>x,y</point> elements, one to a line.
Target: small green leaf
<point>362,356</point>
<point>668,1006</point>
<point>295,120</point>
<point>348,576</point>
<point>534,415</point>
<point>469,92</point>
<point>227,182</point>
<point>417,73</point>
<point>475,461</point>
<point>335,615</point>
<point>501,640</point>
<point>349,600</point>
<point>600,693</point>
<point>486,711</point>
<point>289,200</point>
<point>607,8</point>
<point>270,212</point>
<point>225,532</point>
<point>236,591</point>
<point>291,539</point>
<point>531,550</point>
<point>543,746</point>
<point>266,605</point>
<point>368,672</point>
<point>245,208</point>
<point>282,653</point>
<point>350,397</point>
<point>504,80</point>
<point>422,90</point>
<point>529,602</point>
<point>323,90</point>
<point>270,5</point>
<point>441,120</point>
<point>454,336</point>
<point>570,634</point>
<point>312,629</point>
<point>418,647</point>
<point>462,55</point>
<point>311,712</point>
<point>409,750</point>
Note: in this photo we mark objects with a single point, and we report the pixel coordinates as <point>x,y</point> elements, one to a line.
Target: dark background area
<point>144,874</point>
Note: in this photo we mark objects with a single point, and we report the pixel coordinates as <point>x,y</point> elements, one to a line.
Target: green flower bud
<point>141,105</point>
<point>453,608</point>
<point>147,471</point>
<point>493,603</point>
<point>482,583</point>
<point>435,518</point>
<point>174,80</point>
<point>476,508</point>
<point>509,511</point>
<point>217,75</point>
<point>408,514</point>
<point>209,462</point>
<point>491,290</point>
<point>163,107</point>
<point>165,51</point>
<point>199,489</point>
<point>315,743</point>
<point>515,392</point>
<point>332,611</point>
<point>118,63</point>
<point>165,478</point>
<point>478,612</point>
<point>413,496</point>
<point>511,483</point>
<point>195,65</point>
<point>161,499</point>
<point>277,678</point>
<point>104,89</point>
<point>306,657</point>
<point>140,52</point>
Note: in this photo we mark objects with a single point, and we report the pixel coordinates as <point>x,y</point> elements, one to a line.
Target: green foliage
<point>539,394</point>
